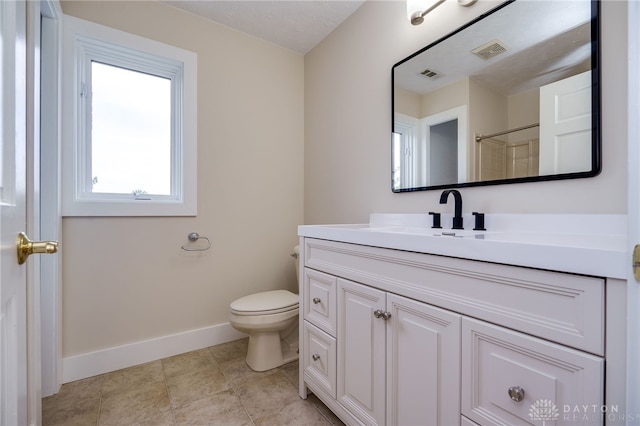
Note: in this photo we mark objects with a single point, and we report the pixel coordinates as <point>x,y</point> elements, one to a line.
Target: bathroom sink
<point>411,229</point>
<point>460,233</point>
<point>426,231</point>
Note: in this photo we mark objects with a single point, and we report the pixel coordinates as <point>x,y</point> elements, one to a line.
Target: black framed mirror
<point>513,96</point>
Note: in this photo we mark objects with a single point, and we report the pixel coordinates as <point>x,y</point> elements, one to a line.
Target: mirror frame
<point>596,149</point>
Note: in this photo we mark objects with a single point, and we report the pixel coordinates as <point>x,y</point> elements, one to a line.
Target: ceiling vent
<point>490,49</point>
<point>431,74</point>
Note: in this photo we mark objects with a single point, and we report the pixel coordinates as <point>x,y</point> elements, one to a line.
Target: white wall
<point>126,280</point>
<point>348,124</point>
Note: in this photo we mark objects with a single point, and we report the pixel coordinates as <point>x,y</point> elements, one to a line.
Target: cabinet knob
<point>315,357</point>
<point>316,300</point>
<point>516,393</point>
<point>379,313</point>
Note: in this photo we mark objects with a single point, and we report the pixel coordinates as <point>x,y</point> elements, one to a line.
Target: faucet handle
<point>479,222</point>
<point>436,220</point>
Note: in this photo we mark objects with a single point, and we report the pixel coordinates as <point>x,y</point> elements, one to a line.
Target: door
<point>423,364</point>
<point>19,292</point>
<point>633,146</point>
<point>449,140</point>
<point>565,125</point>
<point>361,352</point>
<point>13,294</point>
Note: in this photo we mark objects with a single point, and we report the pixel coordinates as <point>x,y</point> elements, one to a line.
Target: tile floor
<point>211,386</point>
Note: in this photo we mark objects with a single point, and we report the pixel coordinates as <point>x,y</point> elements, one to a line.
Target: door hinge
<point>636,262</point>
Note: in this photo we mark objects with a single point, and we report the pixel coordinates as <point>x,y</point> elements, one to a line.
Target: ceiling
<point>545,42</point>
<point>294,24</point>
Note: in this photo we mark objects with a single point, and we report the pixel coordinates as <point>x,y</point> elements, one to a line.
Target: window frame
<point>86,42</point>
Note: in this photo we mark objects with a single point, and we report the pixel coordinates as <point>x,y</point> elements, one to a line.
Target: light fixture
<point>417,9</point>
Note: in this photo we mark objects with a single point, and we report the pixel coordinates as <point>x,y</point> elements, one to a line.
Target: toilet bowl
<point>270,318</point>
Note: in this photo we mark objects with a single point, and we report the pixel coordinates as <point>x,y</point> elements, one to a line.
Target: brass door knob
<point>27,247</point>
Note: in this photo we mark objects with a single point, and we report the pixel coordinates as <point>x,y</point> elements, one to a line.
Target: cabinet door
<point>423,364</point>
<point>361,352</point>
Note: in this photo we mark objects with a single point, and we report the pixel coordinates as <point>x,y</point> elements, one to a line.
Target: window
<point>130,125</point>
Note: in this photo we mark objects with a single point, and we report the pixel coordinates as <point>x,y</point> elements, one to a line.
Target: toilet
<point>270,318</point>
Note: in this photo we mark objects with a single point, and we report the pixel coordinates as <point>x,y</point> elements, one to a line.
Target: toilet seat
<point>265,303</point>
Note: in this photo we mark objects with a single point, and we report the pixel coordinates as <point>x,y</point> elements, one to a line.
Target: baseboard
<point>111,359</point>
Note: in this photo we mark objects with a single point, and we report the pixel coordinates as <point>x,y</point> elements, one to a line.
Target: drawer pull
<point>315,357</point>
<point>316,300</point>
<point>516,393</point>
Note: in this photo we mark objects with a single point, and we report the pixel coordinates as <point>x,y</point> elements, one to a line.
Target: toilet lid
<point>275,300</point>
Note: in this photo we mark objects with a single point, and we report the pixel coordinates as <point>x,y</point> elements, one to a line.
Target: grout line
<point>100,401</point>
<point>166,388</point>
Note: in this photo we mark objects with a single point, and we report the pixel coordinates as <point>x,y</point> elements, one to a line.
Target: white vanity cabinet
<point>403,338</point>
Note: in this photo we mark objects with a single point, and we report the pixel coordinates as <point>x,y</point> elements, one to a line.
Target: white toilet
<point>271,320</point>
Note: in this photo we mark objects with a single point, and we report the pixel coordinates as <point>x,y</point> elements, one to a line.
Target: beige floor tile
<point>77,403</point>
<point>266,394</point>
<point>298,413</point>
<point>290,371</point>
<point>78,416</point>
<point>238,372</point>
<point>144,405</point>
<point>188,362</point>
<point>195,385</point>
<point>231,350</point>
<point>223,408</point>
<point>132,377</point>
<point>91,386</point>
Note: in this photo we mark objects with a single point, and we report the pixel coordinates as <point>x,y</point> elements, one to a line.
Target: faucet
<point>457,218</point>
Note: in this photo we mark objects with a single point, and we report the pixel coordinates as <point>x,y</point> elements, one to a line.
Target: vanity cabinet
<point>382,371</point>
<point>403,338</point>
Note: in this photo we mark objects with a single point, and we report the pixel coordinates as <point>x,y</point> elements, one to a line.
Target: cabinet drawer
<point>320,300</point>
<point>564,308</point>
<point>320,358</point>
<point>512,378</point>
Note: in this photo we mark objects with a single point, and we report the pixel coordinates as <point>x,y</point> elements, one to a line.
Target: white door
<point>423,364</point>
<point>361,352</point>
<point>19,124</point>
<point>633,289</point>
<point>13,295</point>
<point>565,125</point>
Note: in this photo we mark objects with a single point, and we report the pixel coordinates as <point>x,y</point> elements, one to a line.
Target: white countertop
<point>583,244</point>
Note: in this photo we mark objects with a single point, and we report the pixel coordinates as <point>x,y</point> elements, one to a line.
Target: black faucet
<point>457,218</point>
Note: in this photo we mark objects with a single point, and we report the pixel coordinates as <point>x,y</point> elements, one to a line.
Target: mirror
<point>513,96</point>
